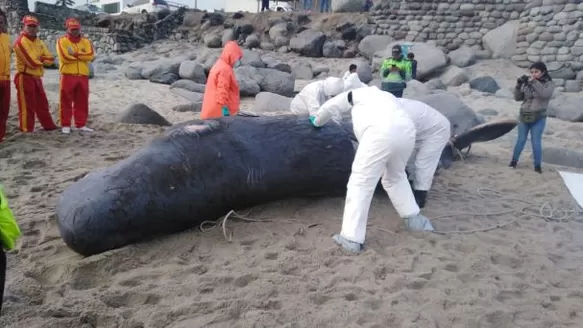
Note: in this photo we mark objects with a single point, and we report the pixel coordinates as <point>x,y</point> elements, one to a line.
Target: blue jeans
<point>307,4</point>
<point>536,134</point>
<point>324,6</point>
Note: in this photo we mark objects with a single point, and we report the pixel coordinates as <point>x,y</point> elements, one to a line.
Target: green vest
<point>403,64</point>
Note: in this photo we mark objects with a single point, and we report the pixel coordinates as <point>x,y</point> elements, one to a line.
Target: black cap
<point>396,48</point>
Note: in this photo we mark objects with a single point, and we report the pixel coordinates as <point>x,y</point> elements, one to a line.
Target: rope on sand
<point>546,211</point>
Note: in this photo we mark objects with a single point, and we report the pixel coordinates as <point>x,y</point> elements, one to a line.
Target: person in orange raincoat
<point>221,96</point>
<point>31,55</point>
<point>5,52</point>
<point>75,53</point>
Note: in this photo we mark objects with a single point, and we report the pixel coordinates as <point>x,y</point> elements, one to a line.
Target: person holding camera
<point>535,92</point>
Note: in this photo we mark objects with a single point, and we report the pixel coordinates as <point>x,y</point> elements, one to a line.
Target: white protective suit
<point>352,81</point>
<point>433,133</point>
<point>386,138</point>
<point>315,94</point>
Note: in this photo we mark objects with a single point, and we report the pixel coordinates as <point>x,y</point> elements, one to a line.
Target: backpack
<point>9,230</point>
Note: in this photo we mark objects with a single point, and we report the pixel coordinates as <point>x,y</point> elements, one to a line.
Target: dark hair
<point>350,98</point>
<point>541,67</point>
<point>352,67</point>
<point>3,15</point>
<point>410,55</point>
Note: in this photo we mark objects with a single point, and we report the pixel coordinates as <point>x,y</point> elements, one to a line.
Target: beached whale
<point>200,170</point>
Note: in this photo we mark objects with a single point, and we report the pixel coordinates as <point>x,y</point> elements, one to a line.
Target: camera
<point>523,79</point>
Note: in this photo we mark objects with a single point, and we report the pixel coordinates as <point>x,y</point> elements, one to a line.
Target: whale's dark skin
<point>198,171</point>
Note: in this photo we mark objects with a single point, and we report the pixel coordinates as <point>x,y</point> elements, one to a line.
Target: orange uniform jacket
<point>78,64</point>
<point>5,53</point>
<point>31,55</point>
<point>222,87</point>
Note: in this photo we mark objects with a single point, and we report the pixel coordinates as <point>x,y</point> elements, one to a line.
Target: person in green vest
<point>9,233</point>
<point>395,72</point>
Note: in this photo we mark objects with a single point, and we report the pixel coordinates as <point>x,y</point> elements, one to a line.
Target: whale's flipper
<point>484,132</point>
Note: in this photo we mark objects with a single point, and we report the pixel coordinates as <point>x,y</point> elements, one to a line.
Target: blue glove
<point>226,111</point>
<point>313,121</point>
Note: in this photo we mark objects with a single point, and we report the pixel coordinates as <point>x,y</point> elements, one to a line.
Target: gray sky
<point>202,4</point>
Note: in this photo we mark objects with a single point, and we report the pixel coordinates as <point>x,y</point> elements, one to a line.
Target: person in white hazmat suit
<point>386,137</point>
<point>313,95</point>
<point>433,133</point>
<point>352,81</point>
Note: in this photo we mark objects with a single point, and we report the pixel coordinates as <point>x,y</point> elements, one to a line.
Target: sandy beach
<point>287,271</point>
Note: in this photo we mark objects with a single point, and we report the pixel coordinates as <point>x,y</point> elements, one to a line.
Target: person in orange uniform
<point>5,52</point>
<point>75,53</point>
<point>221,96</point>
<point>31,55</point>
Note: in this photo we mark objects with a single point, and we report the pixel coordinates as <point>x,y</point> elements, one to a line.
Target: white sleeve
<point>333,107</point>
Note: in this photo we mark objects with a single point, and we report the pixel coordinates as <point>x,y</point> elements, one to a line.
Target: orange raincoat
<point>222,88</point>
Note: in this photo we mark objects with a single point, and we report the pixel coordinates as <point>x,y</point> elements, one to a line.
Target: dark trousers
<point>2,275</point>
<point>264,5</point>
<point>396,88</point>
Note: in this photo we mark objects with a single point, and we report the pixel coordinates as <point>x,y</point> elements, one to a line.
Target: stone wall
<point>551,31</point>
<point>450,23</point>
<point>103,41</point>
<point>53,17</point>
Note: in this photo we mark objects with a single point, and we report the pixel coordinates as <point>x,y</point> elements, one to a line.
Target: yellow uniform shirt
<point>78,63</point>
<point>5,52</point>
<point>31,55</point>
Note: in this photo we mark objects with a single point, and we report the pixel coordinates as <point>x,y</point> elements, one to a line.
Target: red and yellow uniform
<point>5,52</point>
<point>31,55</point>
<point>75,53</point>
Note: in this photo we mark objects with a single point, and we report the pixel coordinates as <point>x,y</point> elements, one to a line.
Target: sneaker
<point>85,129</point>
<point>348,245</point>
<point>419,222</point>
<point>512,164</point>
<point>538,169</point>
<point>66,130</point>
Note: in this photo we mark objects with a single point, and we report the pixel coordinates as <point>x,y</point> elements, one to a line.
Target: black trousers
<point>2,275</point>
<point>264,4</point>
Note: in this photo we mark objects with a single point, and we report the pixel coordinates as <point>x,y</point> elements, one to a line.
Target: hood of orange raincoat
<point>231,53</point>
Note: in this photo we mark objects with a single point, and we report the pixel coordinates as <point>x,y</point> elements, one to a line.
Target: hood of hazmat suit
<point>351,82</point>
<point>315,94</point>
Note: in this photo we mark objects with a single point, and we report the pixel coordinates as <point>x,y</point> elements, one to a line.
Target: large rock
<point>271,62</point>
<point>267,102</point>
<point>363,70</point>
<point>333,48</point>
<point>253,80</point>
<point>454,76</point>
<point>188,85</point>
<point>252,58</point>
<point>213,41</point>
<point>501,41</point>
<point>347,6</point>
<point>430,59</point>
<point>566,108</point>
<point>302,70</point>
<point>188,107</point>
<point>134,72</point>
<point>192,97</point>
<point>308,43</point>
<point>139,113</point>
<point>167,65</point>
<point>485,84</point>
<point>454,109</point>
<point>463,57</point>
<point>192,70</point>
<point>373,43</point>
<point>563,156</point>
<point>164,78</point>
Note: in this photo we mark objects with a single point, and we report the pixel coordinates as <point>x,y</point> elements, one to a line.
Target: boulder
<point>253,80</point>
<point>139,113</point>
<point>363,70</point>
<point>192,70</point>
<point>188,107</point>
<point>164,78</point>
<point>188,85</point>
<point>266,102</point>
<point>463,57</point>
<point>454,109</point>
<point>373,43</point>
<point>347,6</point>
<point>333,48</point>
<point>434,84</point>
<point>247,79</point>
<point>454,76</point>
<point>252,58</point>
<point>501,41</point>
<point>573,86</point>
<point>192,97</point>
<point>134,73</point>
<point>485,84</point>
<point>213,41</point>
<point>167,65</point>
<point>302,70</point>
<point>566,108</point>
<point>308,43</point>
<point>271,62</point>
<point>429,58</point>
<point>563,156</point>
